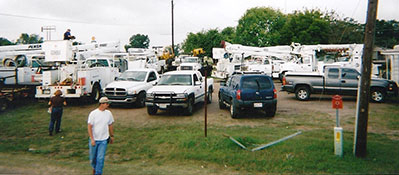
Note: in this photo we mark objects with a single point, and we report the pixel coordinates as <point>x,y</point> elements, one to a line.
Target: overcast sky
<point>118,20</point>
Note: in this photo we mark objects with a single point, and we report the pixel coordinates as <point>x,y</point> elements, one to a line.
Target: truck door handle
<point>343,81</point>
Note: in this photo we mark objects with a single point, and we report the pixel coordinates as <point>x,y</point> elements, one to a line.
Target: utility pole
<point>363,95</point>
<point>173,33</point>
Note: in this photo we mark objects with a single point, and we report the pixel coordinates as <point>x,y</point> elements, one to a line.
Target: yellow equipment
<point>167,53</point>
<point>198,52</point>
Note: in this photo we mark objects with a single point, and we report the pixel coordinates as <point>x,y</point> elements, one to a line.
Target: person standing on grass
<point>101,131</point>
<point>56,104</point>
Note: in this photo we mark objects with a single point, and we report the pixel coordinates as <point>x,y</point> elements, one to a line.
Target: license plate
<point>258,105</point>
<point>162,105</point>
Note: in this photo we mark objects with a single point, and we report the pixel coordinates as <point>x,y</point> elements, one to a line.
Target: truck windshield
<point>258,83</point>
<point>97,63</point>
<point>132,76</point>
<point>175,80</point>
<point>190,60</point>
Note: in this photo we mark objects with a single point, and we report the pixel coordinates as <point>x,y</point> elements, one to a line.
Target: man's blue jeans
<point>97,155</point>
<point>56,115</point>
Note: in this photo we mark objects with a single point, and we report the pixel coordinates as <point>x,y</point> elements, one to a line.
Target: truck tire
<point>96,93</point>
<point>140,101</point>
<point>221,103</point>
<point>152,110</point>
<point>302,93</point>
<point>209,97</point>
<point>271,111</point>
<point>234,110</point>
<point>377,95</point>
<point>190,106</point>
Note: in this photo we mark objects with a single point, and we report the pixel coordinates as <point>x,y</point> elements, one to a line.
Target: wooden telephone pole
<point>173,32</point>
<point>360,140</point>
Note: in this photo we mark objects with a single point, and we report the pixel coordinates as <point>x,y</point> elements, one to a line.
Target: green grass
<point>24,132</point>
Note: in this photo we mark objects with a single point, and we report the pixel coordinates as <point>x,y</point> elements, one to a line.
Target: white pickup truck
<point>178,89</point>
<point>190,63</point>
<point>131,86</point>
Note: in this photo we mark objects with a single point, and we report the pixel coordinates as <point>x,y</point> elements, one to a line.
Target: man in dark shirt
<point>67,35</point>
<point>56,104</point>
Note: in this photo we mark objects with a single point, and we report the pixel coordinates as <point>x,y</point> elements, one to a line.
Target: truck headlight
<point>150,95</point>
<point>182,95</point>
<point>131,91</point>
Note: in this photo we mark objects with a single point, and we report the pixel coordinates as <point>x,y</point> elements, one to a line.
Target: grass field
<point>179,148</point>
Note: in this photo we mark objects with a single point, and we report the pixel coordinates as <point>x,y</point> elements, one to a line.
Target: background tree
<point>308,27</point>
<point>260,27</point>
<point>387,33</point>
<point>344,31</point>
<point>138,41</point>
<point>29,39</point>
<point>5,42</point>
<point>228,34</point>
<point>204,39</point>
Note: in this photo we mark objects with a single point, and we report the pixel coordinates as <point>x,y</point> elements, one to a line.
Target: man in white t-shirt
<point>101,132</point>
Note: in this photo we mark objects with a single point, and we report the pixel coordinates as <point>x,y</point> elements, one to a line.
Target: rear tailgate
<point>256,88</point>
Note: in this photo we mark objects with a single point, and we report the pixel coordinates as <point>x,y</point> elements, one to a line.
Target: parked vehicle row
<point>184,89</point>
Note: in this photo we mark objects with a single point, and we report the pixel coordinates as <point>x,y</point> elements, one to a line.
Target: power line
<point>75,21</point>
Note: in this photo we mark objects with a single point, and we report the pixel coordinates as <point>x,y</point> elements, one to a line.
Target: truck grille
<point>237,67</point>
<point>115,92</point>
<point>164,98</point>
<point>186,67</point>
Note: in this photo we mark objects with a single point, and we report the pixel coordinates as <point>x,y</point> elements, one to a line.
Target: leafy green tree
<point>138,41</point>
<point>344,31</point>
<point>5,42</point>
<point>260,26</point>
<point>29,39</point>
<point>387,33</point>
<point>204,39</point>
<point>308,27</point>
<point>229,34</point>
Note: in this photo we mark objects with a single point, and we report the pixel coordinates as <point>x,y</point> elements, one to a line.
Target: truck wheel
<point>221,103</point>
<point>95,93</point>
<point>234,110</point>
<point>152,110</point>
<point>271,111</point>
<point>140,101</point>
<point>190,106</point>
<point>302,93</point>
<point>209,96</point>
<point>377,95</point>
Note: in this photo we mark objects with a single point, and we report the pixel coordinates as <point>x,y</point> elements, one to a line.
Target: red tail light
<point>238,94</point>
<point>82,81</point>
<point>275,93</point>
<point>284,82</point>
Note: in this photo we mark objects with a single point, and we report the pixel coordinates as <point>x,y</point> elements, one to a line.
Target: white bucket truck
<point>81,79</point>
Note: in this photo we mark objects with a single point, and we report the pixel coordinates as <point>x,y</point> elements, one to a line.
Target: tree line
<point>265,26</point>
<point>24,38</point>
